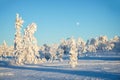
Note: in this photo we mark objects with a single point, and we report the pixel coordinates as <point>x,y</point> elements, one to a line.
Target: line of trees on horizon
<point>93,45</point>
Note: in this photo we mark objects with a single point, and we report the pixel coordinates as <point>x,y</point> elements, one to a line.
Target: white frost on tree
<point>92,45</point>
<point>18,39</point>
<point>26,48</point>
<point>48,52</point>
<point>53,51</point>
<point>18,36</point>
<point>105,44</point>
<point>103,39</point>
<point>116,42</point>
<point>80,44</point>
<point>30,44</point>
<point>64,46</point>
<point>91,48</point>
<point>60,53</point>
<point>4,50</point>
<point>73,53</point>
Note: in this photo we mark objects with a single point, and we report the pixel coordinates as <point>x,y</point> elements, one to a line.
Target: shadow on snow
<point>100,58</point>
<point>102,75</point>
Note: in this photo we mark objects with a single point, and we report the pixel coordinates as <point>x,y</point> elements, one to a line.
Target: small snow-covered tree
<point>53,51</point>
<point>109,46</point>
<point>65,46</point>
<point>116,42</point>
<point>102,43</point>
<point>80,44</point>
<point>94,42</point>
<point>4,50</point>
<point>60,53</point>
<point>41,52</point>
<point>46,52</point>
<point>103,39</point>
<point>92,46</point>
<point>73,53</point>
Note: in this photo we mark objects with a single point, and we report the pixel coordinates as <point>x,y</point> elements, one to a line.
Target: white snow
<point>85,70</point>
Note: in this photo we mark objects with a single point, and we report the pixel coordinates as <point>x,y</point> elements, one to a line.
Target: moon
<point>77,24</point>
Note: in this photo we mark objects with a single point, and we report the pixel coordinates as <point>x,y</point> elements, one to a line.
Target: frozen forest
<point>69,56</point>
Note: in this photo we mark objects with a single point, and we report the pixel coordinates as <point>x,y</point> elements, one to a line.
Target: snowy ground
<point>88,69</point>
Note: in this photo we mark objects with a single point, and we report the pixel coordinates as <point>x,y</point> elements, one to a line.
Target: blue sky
<point>58,19</point>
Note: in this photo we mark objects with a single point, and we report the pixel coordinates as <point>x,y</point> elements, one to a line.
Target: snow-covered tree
<point>53,51</point>
<point>46,52</point>
<point>29,54</point>
<point>94,42</point>
<point>103,39</point>
<point>91,48</point>
<point>92,45</point>
<point>26,48</point>
<point>109,46</point>
<point>73,53</point>
<point>116,42</point>
<point>102,43</point>
<point>18,37</point>
<point>60,53</point>
<point>80,44</point>
<point>30,43</point>
<point>41,52</point>
<point>4,50</point>
<point>65,46</point>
